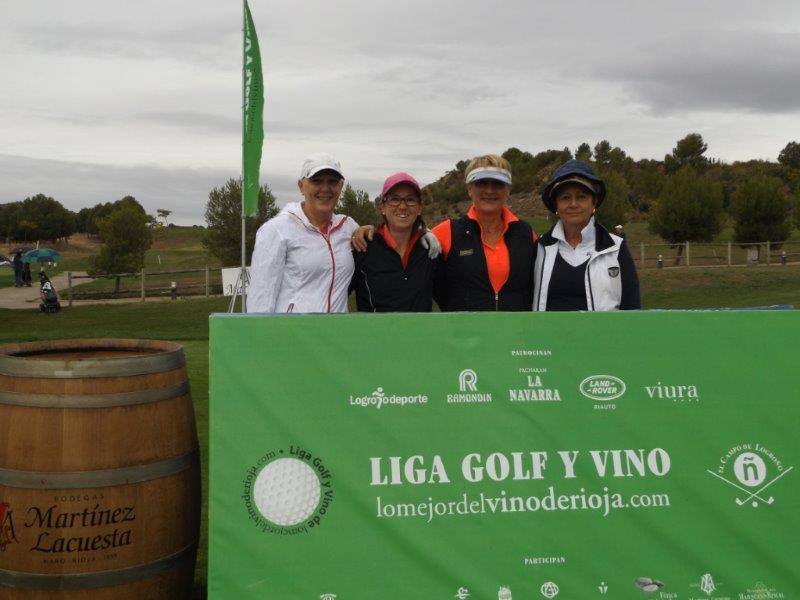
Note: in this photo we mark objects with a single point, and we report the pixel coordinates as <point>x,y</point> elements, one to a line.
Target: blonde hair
<point>487,160</point>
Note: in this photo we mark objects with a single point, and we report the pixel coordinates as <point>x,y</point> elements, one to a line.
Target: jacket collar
<point>602,239</point>
<point>507,216</point>
<point>295,209</point>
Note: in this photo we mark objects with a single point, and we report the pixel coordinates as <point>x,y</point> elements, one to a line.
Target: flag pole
<point>242,274</point>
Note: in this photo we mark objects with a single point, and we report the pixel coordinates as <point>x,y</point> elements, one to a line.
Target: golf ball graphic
<point>286,491</point>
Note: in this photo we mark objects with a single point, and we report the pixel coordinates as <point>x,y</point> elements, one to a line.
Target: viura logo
<point>676,393</point>
<point>603,389</point>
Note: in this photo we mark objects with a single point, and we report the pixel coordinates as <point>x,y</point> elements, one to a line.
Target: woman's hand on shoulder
<point>361,236</point>
<point>431,243</point>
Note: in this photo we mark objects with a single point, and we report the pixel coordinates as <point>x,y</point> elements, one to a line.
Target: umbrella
<point>42,255</point>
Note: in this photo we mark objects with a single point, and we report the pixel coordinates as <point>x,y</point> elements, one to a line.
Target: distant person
<point>26,274</point>
<point>395,273</point>
<point>580,265</point>
<point>489,252</point>
<point>17,264</point>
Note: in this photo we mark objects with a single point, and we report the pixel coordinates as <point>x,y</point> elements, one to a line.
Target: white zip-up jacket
<point>297,268</point>
<point>610,281</point>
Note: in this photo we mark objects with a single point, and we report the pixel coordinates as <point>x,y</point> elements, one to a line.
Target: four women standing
<point>491,259</point>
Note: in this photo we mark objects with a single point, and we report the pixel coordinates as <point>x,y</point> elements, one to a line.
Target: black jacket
<point>466,277</point>
<point>382,284</point>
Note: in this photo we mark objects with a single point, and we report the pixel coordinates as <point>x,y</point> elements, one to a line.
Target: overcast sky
<point>102,99</point>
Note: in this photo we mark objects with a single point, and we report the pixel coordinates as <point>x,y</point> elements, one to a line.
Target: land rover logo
<point>602,387</point>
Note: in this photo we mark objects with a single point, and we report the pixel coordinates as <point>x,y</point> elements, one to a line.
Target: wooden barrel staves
<point>99,471</point>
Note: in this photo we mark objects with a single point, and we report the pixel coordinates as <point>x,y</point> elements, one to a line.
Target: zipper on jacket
<point>333,273</point>
<point>497,301</point>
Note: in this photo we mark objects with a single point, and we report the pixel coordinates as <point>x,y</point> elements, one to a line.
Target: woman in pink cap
<point>396,273</point>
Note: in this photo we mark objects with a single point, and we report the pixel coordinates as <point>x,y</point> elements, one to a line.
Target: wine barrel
<point>99,471</point>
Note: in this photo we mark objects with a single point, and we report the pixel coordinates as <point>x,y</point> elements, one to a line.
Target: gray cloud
<point>77,185</point>
<point>736,70</point>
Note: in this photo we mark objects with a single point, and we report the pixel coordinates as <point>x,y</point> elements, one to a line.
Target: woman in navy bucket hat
<point>579,264</point>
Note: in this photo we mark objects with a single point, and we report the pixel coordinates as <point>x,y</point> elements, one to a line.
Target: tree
<point>356,204</point>
<point>687,152</point>
<point>126,237</point>
<point>41,217</point>
<point>614,209</point>
<point>761,208</point>
<point>584,152</point>
<point>223,235</point>
<point>602,151</point>
<point>163,213</point>
<point>689,209</point>
<point>790,155</point>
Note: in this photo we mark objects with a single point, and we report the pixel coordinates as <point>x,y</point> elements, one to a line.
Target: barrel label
<point>7,533</point>
<point>75,527</point>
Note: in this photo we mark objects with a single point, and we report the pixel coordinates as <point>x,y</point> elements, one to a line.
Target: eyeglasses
<point>394,201</point>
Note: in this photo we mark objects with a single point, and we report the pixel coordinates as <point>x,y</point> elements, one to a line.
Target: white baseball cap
<point>319,161</point>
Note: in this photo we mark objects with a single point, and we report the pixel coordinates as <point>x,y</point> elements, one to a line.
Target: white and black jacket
<point>611,282</point>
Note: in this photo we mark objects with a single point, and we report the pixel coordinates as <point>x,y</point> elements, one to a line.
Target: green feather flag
<point>253,116</point>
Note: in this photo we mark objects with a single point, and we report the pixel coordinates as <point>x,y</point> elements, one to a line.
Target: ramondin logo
<point>468,388</point>
<point>7,533</point>
<point>287,492</point>
<point>379,398</point>
<point>602,388</point>
<point>747,468</point>
<point>468,381</point>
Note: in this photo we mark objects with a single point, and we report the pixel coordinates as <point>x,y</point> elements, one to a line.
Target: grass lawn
<point>186,321</point>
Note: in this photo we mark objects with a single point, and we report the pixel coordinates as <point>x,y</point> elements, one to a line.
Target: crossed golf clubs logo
<point>749,469</point>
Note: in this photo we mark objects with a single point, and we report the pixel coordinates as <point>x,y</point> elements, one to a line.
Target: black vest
<point>468,285</point>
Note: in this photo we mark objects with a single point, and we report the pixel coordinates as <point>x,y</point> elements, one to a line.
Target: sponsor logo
<point>468,388</point>
<point>761,591</point>
<point>531,352</point>
<point>549,589</point>
<point>327,597</point>
<point>648,585</point>
<point>602,588</point>
<point>602,389</point>
<point>462,593</point>
<point>613,271</point>
<point>7,533</point>
<point>751,468</point>
<point>379,398</point>
<point>676,393</point>
<point>504,593</point>
<point>535,389</point>
<point>708,586</point>
<point>288,491</point>
<point>468,381</point>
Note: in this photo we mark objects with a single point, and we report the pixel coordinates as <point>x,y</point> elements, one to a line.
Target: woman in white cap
<point>488,252</point>
<point>580,265</point>
<point>302,261</point>
<point>396,273</point>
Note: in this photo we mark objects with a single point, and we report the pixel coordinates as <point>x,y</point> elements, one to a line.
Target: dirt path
<point>28,297</point>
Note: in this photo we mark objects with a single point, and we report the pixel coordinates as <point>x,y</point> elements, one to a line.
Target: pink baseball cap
<point>397,179</point>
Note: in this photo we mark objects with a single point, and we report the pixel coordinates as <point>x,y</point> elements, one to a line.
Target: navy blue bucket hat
<point>574,171</point>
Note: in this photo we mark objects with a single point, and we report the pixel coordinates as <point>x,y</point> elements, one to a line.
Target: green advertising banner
<point>505,456</point>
